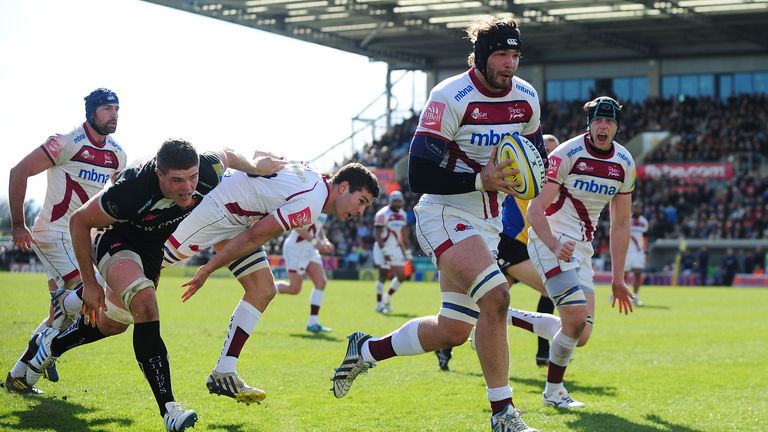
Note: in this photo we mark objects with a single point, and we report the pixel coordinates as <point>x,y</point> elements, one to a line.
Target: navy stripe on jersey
<point>497,113</point>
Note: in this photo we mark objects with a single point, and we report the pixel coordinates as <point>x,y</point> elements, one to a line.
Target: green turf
<point>691,360</point>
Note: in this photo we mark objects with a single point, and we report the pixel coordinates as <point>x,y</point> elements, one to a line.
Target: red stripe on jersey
<point>483,89</point>
<point>443,247</point>
<point>175,243</point>
<point>497,113</point>
<point>235,209</point>
<point>61,208</point>
<point>598,168</point>
<point>96,157</point>
<point>485,206</point>
<point>551,272</point>
<point>328,190</point>
<point>285,224</point>
<point>71,275</point>
<point>581,210</point>
<point>457,153</point>
<point>288,198</point>
<point>557,205</point>
<point>494,198</point>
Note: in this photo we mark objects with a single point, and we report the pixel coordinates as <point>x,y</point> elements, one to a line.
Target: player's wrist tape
<point>479,183</point>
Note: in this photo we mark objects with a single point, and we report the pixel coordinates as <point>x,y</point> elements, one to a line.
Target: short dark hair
<point>176,153</point>
<point>358,177</point>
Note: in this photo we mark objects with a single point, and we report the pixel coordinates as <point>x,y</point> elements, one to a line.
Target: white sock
<point>242,323</point>
<point>544,325</point>
<point>405,340</point>
<point>394,284</point>
<point>316,300</point>
<point>19,370</point>
<point>498,393</point>
<point>280,283</point>
<point>379,288</point>
<point>73,303</point>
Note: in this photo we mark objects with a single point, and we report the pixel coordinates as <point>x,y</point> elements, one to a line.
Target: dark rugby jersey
<point>144,216</point>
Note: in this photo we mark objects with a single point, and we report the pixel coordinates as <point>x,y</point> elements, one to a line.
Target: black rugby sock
<point>77,334</point>
<point>153,360</point>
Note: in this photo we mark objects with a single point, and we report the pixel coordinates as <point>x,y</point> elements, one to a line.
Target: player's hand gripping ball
<point>527,159</point>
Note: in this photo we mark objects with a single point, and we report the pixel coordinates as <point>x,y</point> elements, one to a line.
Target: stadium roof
<point>427,34</point>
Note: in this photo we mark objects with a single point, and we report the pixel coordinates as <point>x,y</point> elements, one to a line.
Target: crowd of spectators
<point>702,129</point>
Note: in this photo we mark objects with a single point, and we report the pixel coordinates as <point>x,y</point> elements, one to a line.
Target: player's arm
<point>537,218</point>
<point>264,165</point>
<point>34,163</point>
<point>426,175</point>
<point>620,210</point>
<point>404,242</point>
<point>89,216</point>
<point>244,243</point>
<point>325,246</point>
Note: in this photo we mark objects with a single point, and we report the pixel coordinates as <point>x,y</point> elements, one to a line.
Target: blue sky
<point>177,75</point>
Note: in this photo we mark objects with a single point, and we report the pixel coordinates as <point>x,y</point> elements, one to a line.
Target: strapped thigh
<point>139,284</point>
<point>459,307</point>
<point>487,280</point>
<point>565,290</point>
<point>248,264</point>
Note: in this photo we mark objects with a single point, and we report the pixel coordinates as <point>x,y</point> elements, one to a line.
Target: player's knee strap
<point>129,293</point>
<point>459,307</point>
<point>590,320</point>
<point>248,264</point>
<point>487,280</point>
<point>116,313</point>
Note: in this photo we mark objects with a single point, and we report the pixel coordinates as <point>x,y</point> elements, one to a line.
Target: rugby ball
<point>527,159</point>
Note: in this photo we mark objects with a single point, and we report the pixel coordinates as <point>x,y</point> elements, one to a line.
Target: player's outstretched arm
<point>244,243</point>
<point>89,216</point>
<point>34,163</point>
<point>621,210</point>
<point>265,164</point>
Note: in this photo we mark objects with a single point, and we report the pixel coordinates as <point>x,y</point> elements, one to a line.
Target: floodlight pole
<point>389,96</point>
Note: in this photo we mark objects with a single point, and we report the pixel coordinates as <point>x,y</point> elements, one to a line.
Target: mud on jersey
<point>81,168</point>
<point>588,180</point>
<point>392,222</point>
<point>144,215</point>
<point>295,196</point>
<point>472,120</point>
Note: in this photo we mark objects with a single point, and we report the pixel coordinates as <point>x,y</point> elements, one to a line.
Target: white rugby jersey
<point>392,222</point>
<point>313,230</point>
<point>80,169</point>
<point>295,195</point>
<point>588,181</point>
<point>473,120</point>
<point>638,226</point>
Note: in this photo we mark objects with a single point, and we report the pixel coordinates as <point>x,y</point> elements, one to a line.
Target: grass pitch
<point>693,359</point>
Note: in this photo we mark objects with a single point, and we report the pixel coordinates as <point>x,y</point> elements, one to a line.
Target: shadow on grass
<point>401,315</point>
<point>318,336</point>
<point>647,306</point>
<point>61,416</point>
<point>592,421</point>
<point>228,427</point>
<point>573,386</point>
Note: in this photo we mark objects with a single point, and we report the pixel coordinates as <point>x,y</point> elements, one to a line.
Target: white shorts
<point>395,253</point>
<point>298,256</point>
<point>205,227</point>
<point>54,250</point>
<point>548,266</point>
<point>439,227</point>
<point>635,259</point>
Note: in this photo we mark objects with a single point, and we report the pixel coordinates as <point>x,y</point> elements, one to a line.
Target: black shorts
<point>511,252</point>
<point>110,242</point>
